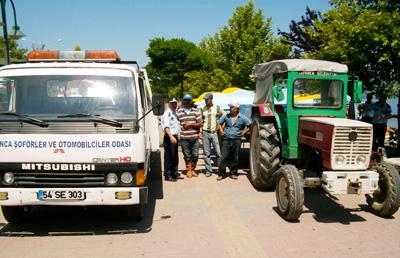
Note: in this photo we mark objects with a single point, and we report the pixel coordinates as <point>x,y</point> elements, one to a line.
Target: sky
<point>127,26</point>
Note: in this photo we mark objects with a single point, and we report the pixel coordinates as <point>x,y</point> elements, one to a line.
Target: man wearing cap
<point>171,126</point>
<point>233,127</point>
<point>210,114</point>
<point>191,122</point>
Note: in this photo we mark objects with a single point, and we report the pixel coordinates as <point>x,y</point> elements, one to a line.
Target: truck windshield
<point>57,95</point>
<point>318,93</point>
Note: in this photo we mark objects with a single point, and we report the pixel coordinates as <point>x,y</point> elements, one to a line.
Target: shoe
<point>234,177</point>
<point>219,178</point>
<point>208,174</point>
<point>178,176</point>
<point>170,179</point>
<point>193,167</point>
<point>188,169</point>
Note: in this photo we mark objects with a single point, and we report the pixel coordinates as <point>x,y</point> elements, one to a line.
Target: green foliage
<point>16,52</point>
<point>302,34</point>
<point>246,41</point>
<point>363,34</point>
<point>220,61</point>
<point>170,60</point>
<point>198,82</point>
<point>77,48</point>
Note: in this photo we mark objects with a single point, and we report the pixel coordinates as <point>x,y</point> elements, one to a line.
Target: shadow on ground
<point>325,209</point>
<point>90,220</point>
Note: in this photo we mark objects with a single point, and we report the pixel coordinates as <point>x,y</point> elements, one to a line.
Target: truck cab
<point>76,128</point>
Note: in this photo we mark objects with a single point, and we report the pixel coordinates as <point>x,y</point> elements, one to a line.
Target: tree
<point>171,59</point>
<point>244,42</point>
<point>363,34</point>
<point>198,82</point>
<point>303,35</point>
<point>16,52</point>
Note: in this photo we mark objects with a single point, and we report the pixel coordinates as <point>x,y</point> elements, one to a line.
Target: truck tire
<point>385,201</point>
<point>15,214</point>
<point>289,192</point>
<point>264,154</point>
<point>135,212</point>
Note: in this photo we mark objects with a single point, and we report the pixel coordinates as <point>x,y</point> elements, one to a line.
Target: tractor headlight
<point>361,160</point>
<point>339,159</point>
<point>111,179</point>
<point>126,178</point>
<point>8,178</point>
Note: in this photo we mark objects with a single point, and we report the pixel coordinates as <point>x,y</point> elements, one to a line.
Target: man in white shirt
<point>171,127</point>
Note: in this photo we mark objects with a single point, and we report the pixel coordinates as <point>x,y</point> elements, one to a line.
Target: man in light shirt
<point>210,113</point>
<point>171,127</point>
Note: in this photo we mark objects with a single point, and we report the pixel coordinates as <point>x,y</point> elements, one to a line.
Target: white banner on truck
<point>72,148</point>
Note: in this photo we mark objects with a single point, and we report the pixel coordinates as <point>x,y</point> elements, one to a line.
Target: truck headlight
<point>8,178</point>
<point>111,179</point>
<point>126,178</point>
<point>361,160</point>
<point>339,159</point>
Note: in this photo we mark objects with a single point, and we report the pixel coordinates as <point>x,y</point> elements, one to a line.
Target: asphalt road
<point>200,217</point>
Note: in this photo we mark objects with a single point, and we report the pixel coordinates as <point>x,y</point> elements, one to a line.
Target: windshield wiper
<point>26,118</point>
<point>94,118</point>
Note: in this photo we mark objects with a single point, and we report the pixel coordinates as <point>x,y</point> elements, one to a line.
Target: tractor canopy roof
<point>264,72</point>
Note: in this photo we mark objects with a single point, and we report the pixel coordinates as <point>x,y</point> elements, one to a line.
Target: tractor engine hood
<point>345,144</point>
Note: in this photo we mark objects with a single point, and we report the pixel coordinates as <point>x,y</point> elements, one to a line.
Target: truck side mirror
<point>278,92</point>
<point>157,105</point>
<point>357,91</point>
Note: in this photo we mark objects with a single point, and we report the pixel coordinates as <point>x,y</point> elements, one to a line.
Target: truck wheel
<point>15,214</point>
<point>385,201</point>
<point>289,192</point>
<point>264,154</point>
<point>135,212</point>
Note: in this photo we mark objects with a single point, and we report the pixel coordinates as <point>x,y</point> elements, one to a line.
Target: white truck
<point>76,128</point>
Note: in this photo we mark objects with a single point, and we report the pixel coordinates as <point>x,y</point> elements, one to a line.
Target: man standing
<point>191,122</point>
<point>365,110</point>
<point>233,127</point>
<point>210,113</point>
<point>382,112</point>
<point>171,127</point>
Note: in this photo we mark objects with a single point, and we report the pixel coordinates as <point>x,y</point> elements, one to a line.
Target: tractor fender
<point>263,110</point>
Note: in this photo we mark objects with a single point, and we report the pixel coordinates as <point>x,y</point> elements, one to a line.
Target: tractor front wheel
<point>289,192</point>
<point>385,201</point>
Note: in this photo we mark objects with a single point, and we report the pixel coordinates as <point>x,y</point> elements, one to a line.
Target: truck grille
<point>351,143</point>
<point>49,179</point>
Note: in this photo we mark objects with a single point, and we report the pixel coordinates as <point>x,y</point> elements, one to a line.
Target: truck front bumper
<point>350,182</point>
<point>93,196</point>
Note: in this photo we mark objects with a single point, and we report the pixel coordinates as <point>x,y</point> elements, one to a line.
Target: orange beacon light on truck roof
<point>88,55</point>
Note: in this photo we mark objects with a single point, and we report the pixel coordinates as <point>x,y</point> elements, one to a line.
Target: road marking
<point>238,240</point>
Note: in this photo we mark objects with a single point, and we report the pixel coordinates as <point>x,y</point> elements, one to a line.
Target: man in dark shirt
<point>233,127</point>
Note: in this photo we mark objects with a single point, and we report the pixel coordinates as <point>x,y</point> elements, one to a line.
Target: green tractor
<point>300,137</point>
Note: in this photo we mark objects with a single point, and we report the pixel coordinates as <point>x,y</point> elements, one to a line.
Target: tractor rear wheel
<point>385,201</point>
<point>289,192</point>
<point>264,154</point>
